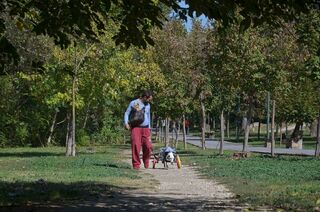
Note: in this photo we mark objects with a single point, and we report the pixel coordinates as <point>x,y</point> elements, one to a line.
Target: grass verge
<point>38,175</point>
<point>286,182</point>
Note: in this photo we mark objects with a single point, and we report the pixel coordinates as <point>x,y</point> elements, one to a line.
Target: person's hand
<point>127,126</point>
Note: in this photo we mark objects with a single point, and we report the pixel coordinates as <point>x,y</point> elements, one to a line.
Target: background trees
<point>205,70</point>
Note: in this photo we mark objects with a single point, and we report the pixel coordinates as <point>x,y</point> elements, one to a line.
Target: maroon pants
<point>141,137</point>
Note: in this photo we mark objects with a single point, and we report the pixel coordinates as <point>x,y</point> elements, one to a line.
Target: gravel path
<point>183,190</point>
<point>172,189</point>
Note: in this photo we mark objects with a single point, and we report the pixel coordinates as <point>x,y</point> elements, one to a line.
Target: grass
<point>44,175</point>
<point>290,183</point>
<point>40,174</point>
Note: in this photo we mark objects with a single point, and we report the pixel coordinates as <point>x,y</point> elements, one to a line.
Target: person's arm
<point>126,116</point>
<point>149,116</point>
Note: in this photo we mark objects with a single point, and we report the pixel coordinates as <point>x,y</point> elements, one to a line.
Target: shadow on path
<point>129,202</point>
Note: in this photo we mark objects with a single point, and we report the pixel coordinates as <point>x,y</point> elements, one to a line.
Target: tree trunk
<point>268,116</point>
<point>152,120</point>
<point>73,127</point>
<point>272,127</point>
<point>69,136</point>
<point>86,118</point>
<point>259,129</point>
<point>162,130</point>
<point>203,125</point>
<point>296,135</point>
<point>313,128</point>
<point>247,129</point>
<point>222,133</point>
<point>280,138</point>
<point>317,152</point>
<point>52,127</point>
<point>228,125</point>
<point>73,148</point>
<point>237,133</point>
<point>174,134</point>
<point>214,124</point>
<point>71,145</point>
<point>184,131</point>
<point>166,140</point>
<point>157,132</point>
<point>277,131</point>
<point>244,123</point>
<point>237,129</point>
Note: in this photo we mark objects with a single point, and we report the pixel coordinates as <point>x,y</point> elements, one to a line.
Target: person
<point>187,124</point>
<point>140,135</point>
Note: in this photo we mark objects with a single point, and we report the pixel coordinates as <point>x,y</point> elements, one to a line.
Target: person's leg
<point>136,147</point>
<point>146,146</point>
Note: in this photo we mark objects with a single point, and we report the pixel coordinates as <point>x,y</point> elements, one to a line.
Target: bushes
<point>3,139</point>
<point>111,132</point>
<point>82,138</point>
<point>109,135</point>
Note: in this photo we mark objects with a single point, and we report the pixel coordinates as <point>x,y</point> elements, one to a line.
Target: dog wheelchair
<point>167,155</point>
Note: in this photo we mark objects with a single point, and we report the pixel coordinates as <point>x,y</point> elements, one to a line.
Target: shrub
<point>109,135</point>
<point>82,138</point>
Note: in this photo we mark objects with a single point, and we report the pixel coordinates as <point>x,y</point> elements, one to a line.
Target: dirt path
<point>183,190</point>
<point>170,189</point>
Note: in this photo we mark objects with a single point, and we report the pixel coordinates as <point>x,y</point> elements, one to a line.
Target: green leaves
<point>245,24</point>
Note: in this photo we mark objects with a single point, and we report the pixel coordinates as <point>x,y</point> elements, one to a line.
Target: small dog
<point>166,155</point>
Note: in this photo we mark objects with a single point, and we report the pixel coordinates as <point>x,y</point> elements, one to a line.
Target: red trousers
<point>141,137</point>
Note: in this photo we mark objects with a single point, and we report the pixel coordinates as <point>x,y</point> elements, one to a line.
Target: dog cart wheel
<point>155,160</point>
<point>154,163</point>
<point>178,161</point>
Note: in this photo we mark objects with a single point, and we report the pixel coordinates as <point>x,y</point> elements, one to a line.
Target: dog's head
<point>170,157</point>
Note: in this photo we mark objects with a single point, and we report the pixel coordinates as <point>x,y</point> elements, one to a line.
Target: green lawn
<point>290,183</point>
<point>38,174</point>
<point>41,174</point>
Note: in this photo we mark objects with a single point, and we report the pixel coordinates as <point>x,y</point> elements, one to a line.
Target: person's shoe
<point>136,168</point>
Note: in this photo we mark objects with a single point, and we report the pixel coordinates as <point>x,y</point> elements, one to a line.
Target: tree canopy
<point>64,19</point>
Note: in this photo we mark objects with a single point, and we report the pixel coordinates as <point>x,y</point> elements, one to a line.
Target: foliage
<point>171,55</point>
<point>82,138</point>
<point>218,65</point>
<point>111,133</point>
<point>64,20</point>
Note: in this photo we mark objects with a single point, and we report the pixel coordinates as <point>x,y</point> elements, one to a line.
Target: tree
<point>170,51</point>
<point>64,19</point>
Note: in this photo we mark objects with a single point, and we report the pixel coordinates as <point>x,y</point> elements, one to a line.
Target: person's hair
<point>146,93</point>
